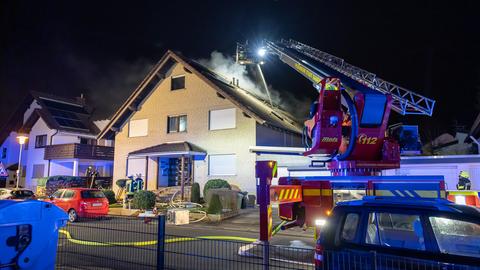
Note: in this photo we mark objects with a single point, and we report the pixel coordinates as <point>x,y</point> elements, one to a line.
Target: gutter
<point>51,141</point>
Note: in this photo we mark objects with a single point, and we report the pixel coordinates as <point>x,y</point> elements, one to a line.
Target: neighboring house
<point>186,124</point>
<point>61,139</point>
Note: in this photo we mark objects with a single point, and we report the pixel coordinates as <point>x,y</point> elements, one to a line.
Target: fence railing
<point>118,242</point>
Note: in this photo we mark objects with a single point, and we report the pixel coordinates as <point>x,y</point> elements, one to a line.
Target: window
<point>88,141</point>
<point>222,164</point>
<point>4,152</point>
<point>136,166</point>
<point>138,128</point>
<point>68,194</point>
<point>350,227</point>
<point>24,171</point>
<point>222,119</point>
<point>177,124</point>
<point>21,194</point>
<point>40,141</point>
<point>57,193</point>
<point>90,194</point>
<point>25,146</point>
<point>456,236</point>
<point>395,230</point>
<point>38,170</point>
<point>178,82</point>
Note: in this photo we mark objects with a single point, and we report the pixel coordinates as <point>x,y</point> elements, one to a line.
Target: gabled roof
<point>62,114</point>
<point>250,104</point>
<point>70,115</point>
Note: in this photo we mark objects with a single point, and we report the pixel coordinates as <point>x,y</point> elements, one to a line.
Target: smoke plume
<point>228,68</point>
<point>250,80</point>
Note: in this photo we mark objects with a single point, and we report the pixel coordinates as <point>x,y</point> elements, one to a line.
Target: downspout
<point>51,143</point>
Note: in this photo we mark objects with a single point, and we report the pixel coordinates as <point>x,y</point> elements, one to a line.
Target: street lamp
<point>22,138</point>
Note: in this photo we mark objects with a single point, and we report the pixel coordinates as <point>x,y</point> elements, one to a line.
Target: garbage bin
<point>29,234</point>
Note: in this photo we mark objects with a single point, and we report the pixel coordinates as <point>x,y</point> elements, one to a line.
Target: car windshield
<point>89,194</point>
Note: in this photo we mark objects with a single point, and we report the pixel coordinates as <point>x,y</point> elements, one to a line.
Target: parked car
<point>16,194</point>
<point>81,202</point>
<point>400,233</point>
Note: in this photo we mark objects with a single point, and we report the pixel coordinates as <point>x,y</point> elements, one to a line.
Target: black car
<point>400,233</point>
<point>16,194</point>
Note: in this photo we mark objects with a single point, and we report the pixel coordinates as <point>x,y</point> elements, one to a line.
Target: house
<point>185,123</point>
<point>61,140</point>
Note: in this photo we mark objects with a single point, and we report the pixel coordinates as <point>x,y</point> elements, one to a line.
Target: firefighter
<point>464,182</point>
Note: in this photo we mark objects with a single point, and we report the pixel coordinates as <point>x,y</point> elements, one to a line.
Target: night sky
<point>104,48</point>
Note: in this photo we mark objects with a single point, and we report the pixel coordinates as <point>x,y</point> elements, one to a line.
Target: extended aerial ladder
<point>348,123</point>
<point>353,135</point>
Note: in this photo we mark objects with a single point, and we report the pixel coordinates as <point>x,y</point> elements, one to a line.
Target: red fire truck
<point>347,131</point>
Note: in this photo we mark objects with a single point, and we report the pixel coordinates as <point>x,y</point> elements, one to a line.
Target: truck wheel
<point>72,215</point>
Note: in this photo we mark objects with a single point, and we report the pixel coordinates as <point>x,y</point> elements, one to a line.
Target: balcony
<point>80,151</point>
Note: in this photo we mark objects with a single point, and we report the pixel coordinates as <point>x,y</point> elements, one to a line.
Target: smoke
<point>108,86</point>
<point>250,80</point>
<point>228,68</point>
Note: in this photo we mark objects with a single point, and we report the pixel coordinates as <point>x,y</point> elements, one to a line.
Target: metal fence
<point>198,253</point>
<point>113,242</point>
<point>118,242</point>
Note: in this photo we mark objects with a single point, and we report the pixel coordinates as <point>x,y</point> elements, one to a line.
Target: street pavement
<point>128,243</point>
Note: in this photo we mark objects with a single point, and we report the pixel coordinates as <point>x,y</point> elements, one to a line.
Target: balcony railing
<point>76,150</point>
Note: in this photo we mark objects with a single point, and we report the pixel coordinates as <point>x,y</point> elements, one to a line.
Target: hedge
<point>110,196</point>
<point>195,193</point>
<point>143,199</point>
<point>215,183</point>
<point>215,206</point>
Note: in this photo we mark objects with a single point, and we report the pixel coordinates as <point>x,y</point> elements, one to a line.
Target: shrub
<point>110,196</point>
<point>57,182</point>
<point>215,206</point>
<point>195,193</point>
<point>121,183</point>
<point>143,199</point>
<point>215,183</point>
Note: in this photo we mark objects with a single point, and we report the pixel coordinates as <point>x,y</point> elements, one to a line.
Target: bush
<point>195,193</point>
<point>215,206</point>
<point>57,182</point>
<point>144,200</point>
<point>215,183</point>
<point>110,196</point>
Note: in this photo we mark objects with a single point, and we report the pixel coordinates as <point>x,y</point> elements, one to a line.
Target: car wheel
<point>72,215</point>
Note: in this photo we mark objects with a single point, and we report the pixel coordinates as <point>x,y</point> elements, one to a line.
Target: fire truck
<point>346,131</point>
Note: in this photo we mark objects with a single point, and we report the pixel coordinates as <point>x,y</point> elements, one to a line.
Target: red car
<point>81,202</point>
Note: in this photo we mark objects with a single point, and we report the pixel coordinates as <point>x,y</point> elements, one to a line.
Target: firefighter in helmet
<point>464,182</point>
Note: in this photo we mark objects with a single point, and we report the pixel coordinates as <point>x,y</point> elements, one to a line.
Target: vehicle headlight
<point>320,222</point>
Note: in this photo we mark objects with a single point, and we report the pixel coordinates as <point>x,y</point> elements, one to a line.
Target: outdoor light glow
<point>320,222</point>
<point>261,52</point>
<point>22,139</point>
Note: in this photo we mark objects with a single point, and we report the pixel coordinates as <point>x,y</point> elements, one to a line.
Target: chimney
<point>81,99</point>
<point>233,81</point>
<point>238,83</point>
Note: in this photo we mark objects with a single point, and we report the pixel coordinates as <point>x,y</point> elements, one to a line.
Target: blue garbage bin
<point>29,234</point>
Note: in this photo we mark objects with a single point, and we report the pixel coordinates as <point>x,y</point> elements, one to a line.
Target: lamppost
<point>22,138</point>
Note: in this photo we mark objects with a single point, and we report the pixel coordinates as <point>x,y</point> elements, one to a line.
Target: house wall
<point>34,105</point>
<point>12,147</point>
<point>439,166</point>
<point>195,101</point>
<point>60,138</point>
<point>12,151</point>
<point>35,155</point>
